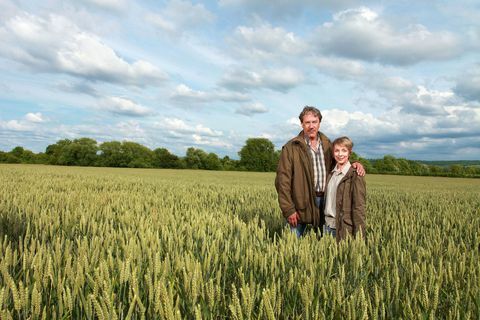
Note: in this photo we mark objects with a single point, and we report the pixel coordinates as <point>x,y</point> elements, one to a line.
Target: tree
<point>162,158</point>
<point>212,162</point>
<point>367,165</point>
<point>136,155</point>
<point>17,152</point>
<point>387,165</point>
<point>81,152</point>
<point>436,170</point>
<point>229,164</point>
<point>7,157</point>
<point>54,151</point>
<point>277,157</point>
<point>258,154</point>
<point>195,158</point>
<point>456,170</point>
<point>111,154</point>
<point>41,157</point>
<point>23,155</point>
<point>125,154</point>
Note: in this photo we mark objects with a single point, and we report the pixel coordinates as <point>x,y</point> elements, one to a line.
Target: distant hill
<point>463,163</point>
<point>443,164</point>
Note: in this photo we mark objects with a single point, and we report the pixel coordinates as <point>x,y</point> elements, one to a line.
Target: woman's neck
<point>341,166</point>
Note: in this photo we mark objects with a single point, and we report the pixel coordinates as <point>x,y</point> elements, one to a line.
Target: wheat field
<point>104,243</point>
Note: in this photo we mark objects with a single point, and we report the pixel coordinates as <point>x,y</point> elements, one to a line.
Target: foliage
<point>162,158</point>
<point>111,154</point>
<point>195,158</point>
<point>391,165</point>
<point>20,155</point>
<point>258,154</point>
<point>229,164</point>
<point>136,155</point>
<point>199,159</point>
<point>56,152</point>
<point>131,243</point>
<point>81,152</point>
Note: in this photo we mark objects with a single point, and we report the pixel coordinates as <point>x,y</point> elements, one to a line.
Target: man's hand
<point>293,219</point>
<point>359,167</point>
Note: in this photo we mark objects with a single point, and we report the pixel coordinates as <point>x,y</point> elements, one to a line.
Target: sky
<point>398,77</point>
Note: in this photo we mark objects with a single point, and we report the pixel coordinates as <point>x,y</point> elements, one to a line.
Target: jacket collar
<point>344,170</point>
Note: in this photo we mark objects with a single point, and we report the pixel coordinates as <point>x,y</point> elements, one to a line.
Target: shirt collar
<point>307,140</point>
<point>344,170</point>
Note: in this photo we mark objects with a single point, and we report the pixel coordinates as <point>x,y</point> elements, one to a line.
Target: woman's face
<point>341,154</point>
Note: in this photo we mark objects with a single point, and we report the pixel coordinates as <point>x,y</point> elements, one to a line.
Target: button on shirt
<point>331,202</point>
<point>319,169</point>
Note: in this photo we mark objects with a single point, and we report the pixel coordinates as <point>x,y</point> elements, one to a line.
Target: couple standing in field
<point>316,183</point>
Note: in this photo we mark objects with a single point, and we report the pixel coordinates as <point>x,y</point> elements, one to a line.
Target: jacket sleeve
<point>358,204</point>
<point>283,183</point>
<point>328,154</point>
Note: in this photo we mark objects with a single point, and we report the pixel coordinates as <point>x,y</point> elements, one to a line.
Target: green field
<point>104,243</point>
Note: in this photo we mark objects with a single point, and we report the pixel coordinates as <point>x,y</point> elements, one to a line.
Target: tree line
<point>258,154</point>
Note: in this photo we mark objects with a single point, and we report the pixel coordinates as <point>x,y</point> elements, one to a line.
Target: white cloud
<point>294,122</point>
<point>252,109</point>
<point>391,86</point>
<point>282,79</point>
<point>428,102</point>
<point>410,98</point>
<point>56,45</point>
<point>212,142</point>
<point>15,125</point>
<point>363,34</point>
<point>34,117</point>
<point>185,94</point>
<point>179,16</point>
<point>394,128</point>
<point>341,122</point>
<point>124,106</point>
<point>29,123</point>
<point>338,67</point>
<point>116,5</point>
<point>266,42</point>
<point>131,130</point>
<point>179,127</point>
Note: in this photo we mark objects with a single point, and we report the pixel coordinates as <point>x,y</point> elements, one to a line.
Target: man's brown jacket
<point>295,179</point>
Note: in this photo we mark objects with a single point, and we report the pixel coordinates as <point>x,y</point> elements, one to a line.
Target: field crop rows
<point>98,243</point>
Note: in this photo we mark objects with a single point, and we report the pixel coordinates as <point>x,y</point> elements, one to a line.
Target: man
<point>305,162</point>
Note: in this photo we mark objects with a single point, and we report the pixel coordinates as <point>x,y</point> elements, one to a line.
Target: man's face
<point>310,125</point>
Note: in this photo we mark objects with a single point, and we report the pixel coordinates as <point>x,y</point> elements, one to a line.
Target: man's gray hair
<point>310,109</point>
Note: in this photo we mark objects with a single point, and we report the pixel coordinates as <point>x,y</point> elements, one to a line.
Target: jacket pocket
<point>300,202</point>
<point>304,217</point>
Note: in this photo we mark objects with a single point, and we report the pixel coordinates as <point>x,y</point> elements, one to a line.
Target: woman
<point>345,195</point>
